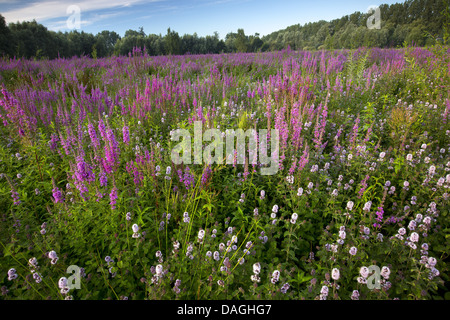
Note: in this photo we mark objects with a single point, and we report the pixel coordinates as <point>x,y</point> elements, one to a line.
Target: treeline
<point>418,22</point>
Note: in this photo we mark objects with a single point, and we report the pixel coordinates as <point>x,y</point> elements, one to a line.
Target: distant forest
<point>414,22</point>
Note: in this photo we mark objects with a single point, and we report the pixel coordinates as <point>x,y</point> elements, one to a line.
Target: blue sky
<point>188,16</point>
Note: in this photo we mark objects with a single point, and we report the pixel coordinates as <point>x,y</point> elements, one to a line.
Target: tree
<point>6,40</point>
<point>241,41</point>
<point>172,42</point>
<point>105,42</point>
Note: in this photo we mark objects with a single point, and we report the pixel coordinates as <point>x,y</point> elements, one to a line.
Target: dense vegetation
<point>363,180</point>
<point>417,22</point>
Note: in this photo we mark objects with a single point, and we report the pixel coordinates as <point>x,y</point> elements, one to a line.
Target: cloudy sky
<point>184,16</point>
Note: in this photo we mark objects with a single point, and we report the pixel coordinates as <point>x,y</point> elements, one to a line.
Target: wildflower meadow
<point>356,206</point>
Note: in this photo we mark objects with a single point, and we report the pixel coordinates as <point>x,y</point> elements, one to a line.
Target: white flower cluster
<point>53,256</point>
<point>33,264</point>
<point>12,274</point>
<point>186,218</point>
<point>158,272</point>
<point>256,270</point>
<point>384,272</point>
<point>323,293</point>
<point>275,276</point>
<point>135,229</point>
<point>290,179</point>
<point>176,286</point>
<point>159,256</point>
<point>273,215</point>
<point>294,218</point>
<point>64,286</point>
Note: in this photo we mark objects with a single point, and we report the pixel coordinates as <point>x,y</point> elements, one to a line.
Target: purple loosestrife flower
<point>15,197</point>
<point>126,135</point>
<point>111,149</point>
<point>53,143</point>
<point>14,193</point>
<point>57,195</point>
<point>93,135</point>
<point>363,186</point>
<point>187,178</point>
<point>113,198</point>
<point>103,179</point>
<point>83,171</point>
<point>379,217</point>
<point>354,134</point>
<point>206,175</point>
<point>102,129</point>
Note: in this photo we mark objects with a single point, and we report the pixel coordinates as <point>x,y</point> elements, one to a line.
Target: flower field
<point>93,207</point>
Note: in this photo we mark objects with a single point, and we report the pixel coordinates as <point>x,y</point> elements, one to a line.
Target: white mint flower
<point>419,217</point>
<point>385,272</point>
<point>364,272</point>
<point>335,274</point>
<point>367,206</point>
<point>355,295</point>
<point>324,291</point>
<point>361,280</point>
<point>432,261</point>
<point>350,205</point>
<point>52,255</point>
<point>263,194</point>
<point>62,283</point>
<point>432,170</point>
<point>255,278</point>
<point>159,269</point>
<point>256,268</point>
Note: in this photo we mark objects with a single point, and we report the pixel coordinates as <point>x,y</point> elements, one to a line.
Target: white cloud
<point>46,10</point>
